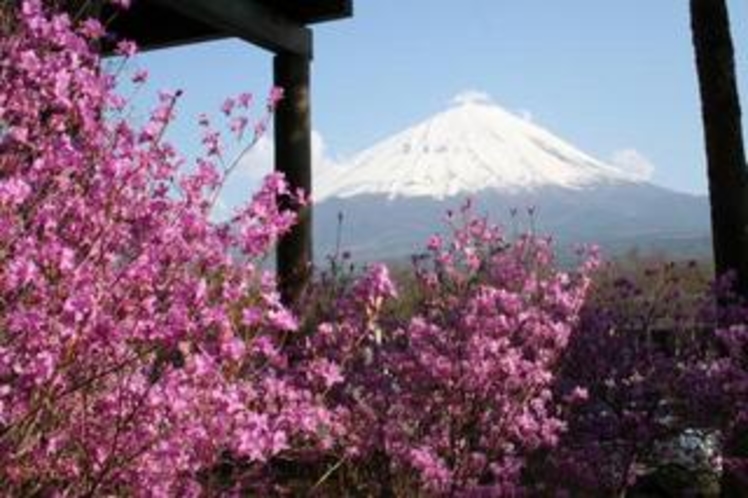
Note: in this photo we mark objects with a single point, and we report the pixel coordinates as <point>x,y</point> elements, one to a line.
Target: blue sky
<point>608,76</point>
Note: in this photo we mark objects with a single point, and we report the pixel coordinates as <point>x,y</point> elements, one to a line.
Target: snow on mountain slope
<point>473,146</point>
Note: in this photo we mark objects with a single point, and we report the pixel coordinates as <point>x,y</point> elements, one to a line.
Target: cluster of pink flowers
<point>456,394</point>
<point>134,331</point>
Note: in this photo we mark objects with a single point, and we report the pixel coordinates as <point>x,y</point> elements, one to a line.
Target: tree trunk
<point>726,166</point>
<point>728,175</point>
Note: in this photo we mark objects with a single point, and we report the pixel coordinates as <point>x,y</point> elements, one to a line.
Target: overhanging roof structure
<point>276,25</point>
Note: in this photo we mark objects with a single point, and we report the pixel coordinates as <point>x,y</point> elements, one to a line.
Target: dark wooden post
<point>293,157</point>
<point>728,173</point>
<point>726,163</point>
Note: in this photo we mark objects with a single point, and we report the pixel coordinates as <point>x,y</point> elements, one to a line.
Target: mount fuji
<point>393,195</point>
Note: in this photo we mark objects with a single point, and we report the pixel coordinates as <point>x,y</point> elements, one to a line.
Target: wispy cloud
<point>634,163</point>
<point>471,97</point>
<point>258,162</point>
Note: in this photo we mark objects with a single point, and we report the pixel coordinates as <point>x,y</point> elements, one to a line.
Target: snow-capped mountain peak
<point>472,146</point>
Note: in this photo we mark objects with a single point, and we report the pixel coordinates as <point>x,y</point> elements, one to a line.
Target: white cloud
<point>321,161</point>
<point>260,160</point>
<point>634,163</point>
<point>471,97</point>
<point>257,161</point>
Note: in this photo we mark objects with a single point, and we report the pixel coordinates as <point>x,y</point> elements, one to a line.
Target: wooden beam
<point>312,11</point>
<point>249,20</point>
<point>174,29</point>
<point>293,157</point>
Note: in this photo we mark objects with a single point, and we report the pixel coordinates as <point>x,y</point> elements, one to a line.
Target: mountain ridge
<point>471,146</point>
<point>394,194</point>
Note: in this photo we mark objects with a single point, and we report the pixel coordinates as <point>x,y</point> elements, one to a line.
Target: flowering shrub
<point>732,376</point>
<point>660,359</point>
<point>722,380</point>
<point>135,334</point>
<point>492,321</point>
<point>625,355</point>
<point>453,393</point>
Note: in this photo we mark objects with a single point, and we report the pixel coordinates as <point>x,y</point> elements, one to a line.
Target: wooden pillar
<point>293,157</point>
<point>723,136</point>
